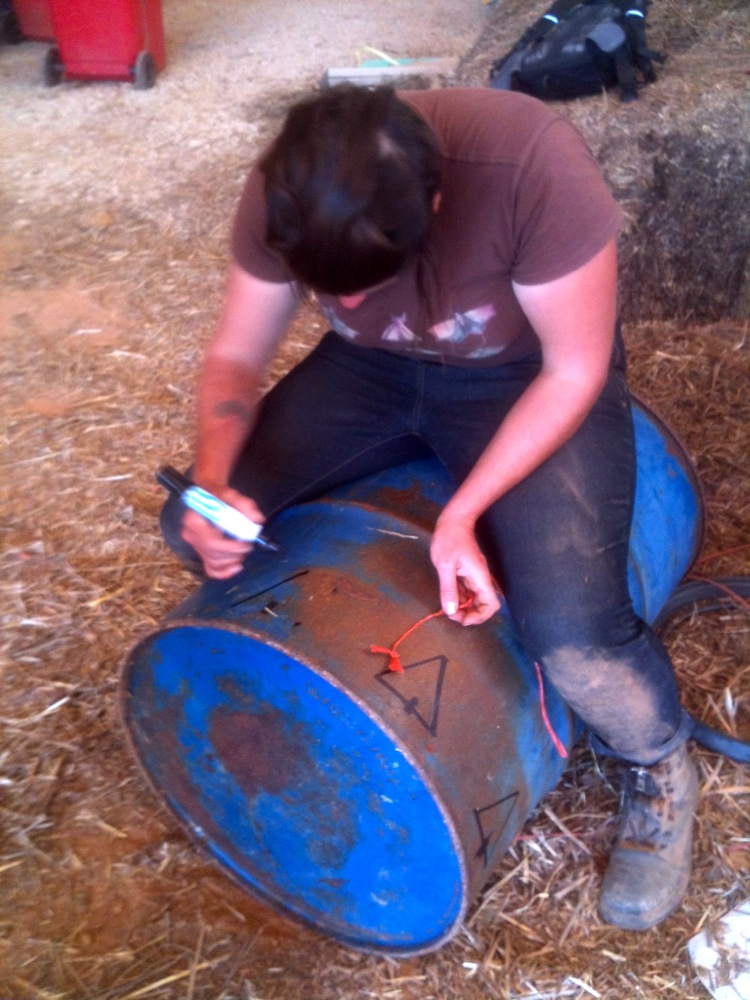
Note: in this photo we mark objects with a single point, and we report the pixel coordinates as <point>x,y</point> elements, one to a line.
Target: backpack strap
<point>610,37</point>
<point>626,78</point>
<point>555,14</point>
<point>501,73</point>
<point>634,21</point>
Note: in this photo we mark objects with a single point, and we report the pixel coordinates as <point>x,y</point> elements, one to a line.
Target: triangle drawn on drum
<point>491,822</point>
<point>419,689</point>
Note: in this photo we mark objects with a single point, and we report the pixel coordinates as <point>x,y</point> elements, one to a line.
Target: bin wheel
<point>52,71</point>
<point>144,71</point>
<point>10,26</point>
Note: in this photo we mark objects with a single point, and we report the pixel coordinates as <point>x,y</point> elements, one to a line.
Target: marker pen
<point>228,519</point>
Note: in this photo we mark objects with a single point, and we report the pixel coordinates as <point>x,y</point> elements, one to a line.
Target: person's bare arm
<point>574,318</point>
<point>254,318</point>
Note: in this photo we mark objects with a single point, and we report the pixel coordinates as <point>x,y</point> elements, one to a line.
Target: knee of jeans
<point>574,618</point>
<point>545,630</point>
<point>627,696</point>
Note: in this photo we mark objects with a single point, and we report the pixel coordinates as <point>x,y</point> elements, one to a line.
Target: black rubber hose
<point>699,597</point>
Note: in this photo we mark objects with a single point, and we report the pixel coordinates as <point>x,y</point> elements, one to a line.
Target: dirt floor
<point>116,206</point>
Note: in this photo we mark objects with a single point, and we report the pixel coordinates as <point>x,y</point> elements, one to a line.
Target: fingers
<point>467,593</point>
<point>484,604</point>
<point>449,596</point>
<point>222,557</point>
<point>241,503</point>
<point>478,600</point>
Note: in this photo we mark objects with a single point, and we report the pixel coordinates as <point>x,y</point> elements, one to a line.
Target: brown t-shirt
<point>522,200</point>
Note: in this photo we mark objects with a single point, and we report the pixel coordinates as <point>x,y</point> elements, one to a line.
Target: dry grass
<point>677,159</point>
<point>102,896</point>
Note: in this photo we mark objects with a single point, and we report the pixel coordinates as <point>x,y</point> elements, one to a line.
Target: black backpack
<point>580,47</point>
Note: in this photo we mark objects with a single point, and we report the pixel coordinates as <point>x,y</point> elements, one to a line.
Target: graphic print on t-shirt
<point>463,325</point>
<point>398,330</point>
<point>472,323</point>
<point>455,330</point>
<point>338,324</point>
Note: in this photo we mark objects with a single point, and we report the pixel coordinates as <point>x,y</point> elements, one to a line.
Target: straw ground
<point>116,209</point>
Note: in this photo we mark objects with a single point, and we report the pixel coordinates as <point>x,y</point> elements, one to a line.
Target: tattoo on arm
<point>233,408</point>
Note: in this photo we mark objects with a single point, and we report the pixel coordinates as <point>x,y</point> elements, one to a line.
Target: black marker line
<point>266,590</point>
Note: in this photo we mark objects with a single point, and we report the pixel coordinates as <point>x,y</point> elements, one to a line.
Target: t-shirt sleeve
<point>248,242</point>
<point>564,213</point>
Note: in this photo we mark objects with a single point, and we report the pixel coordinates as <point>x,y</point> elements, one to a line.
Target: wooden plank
<point>373,75</point>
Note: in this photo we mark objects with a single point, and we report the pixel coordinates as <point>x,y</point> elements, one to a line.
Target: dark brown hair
<point>350,183</point>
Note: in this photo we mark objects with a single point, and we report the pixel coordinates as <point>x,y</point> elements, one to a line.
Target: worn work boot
<point>649,869</point>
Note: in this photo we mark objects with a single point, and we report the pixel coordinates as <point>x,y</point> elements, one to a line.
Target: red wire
<point>553,735</point>
<point>395,664</point>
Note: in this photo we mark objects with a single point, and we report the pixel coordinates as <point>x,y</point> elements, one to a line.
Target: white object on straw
<point>720,954</point>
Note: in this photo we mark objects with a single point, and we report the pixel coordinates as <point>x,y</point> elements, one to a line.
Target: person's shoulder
<point>479,123</point>
<point>477,100</point>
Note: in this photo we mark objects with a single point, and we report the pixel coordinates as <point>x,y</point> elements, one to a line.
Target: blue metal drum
<point>668,517</point>
<point>372,805</point>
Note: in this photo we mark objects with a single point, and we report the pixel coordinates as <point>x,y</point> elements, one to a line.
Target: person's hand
<point>463,573</point>
<point>222,556</point>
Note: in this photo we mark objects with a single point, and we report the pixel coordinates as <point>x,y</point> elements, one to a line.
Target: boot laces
<point>643,823</point>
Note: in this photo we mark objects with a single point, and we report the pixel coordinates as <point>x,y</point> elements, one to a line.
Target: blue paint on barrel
<point>371,805</point>
<point>321,812</point>
<point>668,522</point>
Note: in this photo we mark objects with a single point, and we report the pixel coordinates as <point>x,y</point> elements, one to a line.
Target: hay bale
<point>677,160</point>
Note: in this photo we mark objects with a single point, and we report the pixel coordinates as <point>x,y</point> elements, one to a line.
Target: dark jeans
<point>557,542</point>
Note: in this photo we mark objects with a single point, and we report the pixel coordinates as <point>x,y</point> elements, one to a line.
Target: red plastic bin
<point>106,40</point>
<point>34,19</point>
